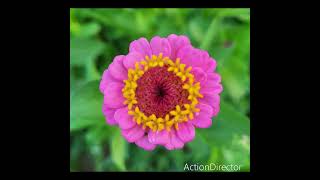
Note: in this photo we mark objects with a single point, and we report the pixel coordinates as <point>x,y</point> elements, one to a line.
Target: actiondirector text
<point>211,167</point>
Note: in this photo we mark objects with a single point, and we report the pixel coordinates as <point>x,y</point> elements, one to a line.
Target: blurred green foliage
<point>97,35</point>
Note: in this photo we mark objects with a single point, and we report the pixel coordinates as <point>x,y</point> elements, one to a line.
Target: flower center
<point>161,93</point>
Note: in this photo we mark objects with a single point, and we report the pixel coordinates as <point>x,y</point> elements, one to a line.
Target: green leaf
<point>96,138</point>
<point>196,29</point>
<point>178,158</point>
<point>229,136</point>
<point>136,154</point>
<point>201,147</point>
<point>118,150</point>
<point>122,22</point>
<point>76,150</point>
<point>88,30</point>
<point>242,13</point>
<point>215,156</point>
<point>238,153</point>
<point>83,50</point>
<point>74,25</point>
<point>228,124</point>
<point>236,86</point>
<point>86,106</point>
<point>233,62</point>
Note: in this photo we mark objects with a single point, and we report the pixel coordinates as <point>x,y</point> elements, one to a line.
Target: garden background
<point>97,35</point>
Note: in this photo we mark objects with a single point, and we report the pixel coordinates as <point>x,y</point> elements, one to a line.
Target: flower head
<point>160,91</point>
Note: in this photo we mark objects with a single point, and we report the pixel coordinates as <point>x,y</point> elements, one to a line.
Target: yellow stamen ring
<point>175,116</point>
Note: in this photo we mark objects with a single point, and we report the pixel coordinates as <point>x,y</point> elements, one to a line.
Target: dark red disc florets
<point>159,91</point>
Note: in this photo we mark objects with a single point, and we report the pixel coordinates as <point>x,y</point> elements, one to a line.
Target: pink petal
<point>186,132</point>
<point>177,42</point>
<point>203,118</point>
<point>133,134</point>
<point>111,121</point>
<point>213,85</point>
<point>157,137</point>
<point>216,110</point>
<point>113,97</point>
<point>124,120</point>
<point>141,46</point>
<point>160,45</point>
<point>145,144</point>
<point>199,75</point>
<point>106,79</point>
<point>196,58</point>
<point>174,141</point>
<point>117,69</point>
<point>131,59</point>
<point>213,100</point>
<point>190,56</point>
<point>214,77</point>
<point>109,114</point>
<point>211,65</point>
<point>211,89</point>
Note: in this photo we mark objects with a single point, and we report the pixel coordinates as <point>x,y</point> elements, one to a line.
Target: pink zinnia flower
<point>160,91</point>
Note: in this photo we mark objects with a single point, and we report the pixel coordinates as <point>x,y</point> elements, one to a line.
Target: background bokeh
<point>97,35</point>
